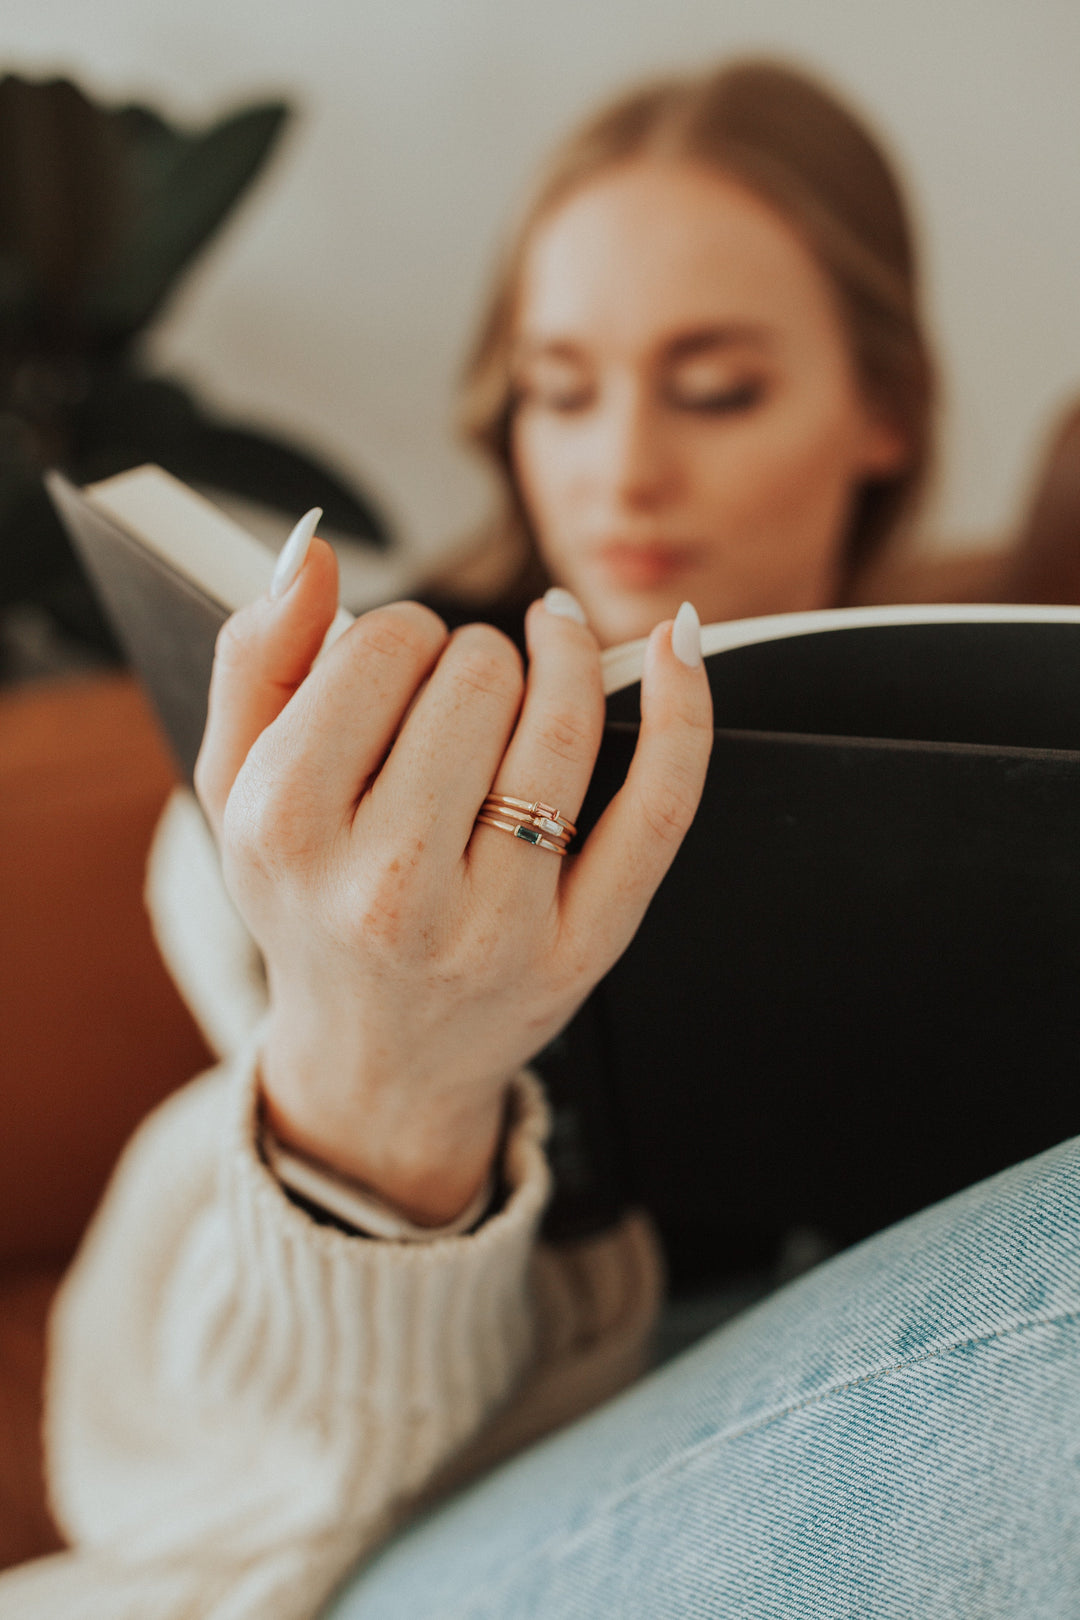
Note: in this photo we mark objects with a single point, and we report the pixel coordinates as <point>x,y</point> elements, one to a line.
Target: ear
<point>884,449</point>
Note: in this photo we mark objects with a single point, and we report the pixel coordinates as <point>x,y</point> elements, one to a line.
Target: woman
<point>704,377</point>
<point>826,379</point>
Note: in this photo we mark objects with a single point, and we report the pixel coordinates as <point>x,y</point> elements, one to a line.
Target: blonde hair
<point>793,144</point>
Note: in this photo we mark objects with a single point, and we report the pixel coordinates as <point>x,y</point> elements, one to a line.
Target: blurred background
<point>335,306</point>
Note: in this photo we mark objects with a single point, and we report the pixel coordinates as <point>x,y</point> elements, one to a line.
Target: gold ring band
<point>546,817</point>
<point>521,829</point>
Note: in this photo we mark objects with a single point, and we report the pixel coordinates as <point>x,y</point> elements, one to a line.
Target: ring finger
<point>551,755</point>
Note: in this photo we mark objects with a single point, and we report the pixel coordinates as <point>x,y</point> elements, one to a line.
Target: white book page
<point>193,536</point>
<point>622,665</point>
<point>197,539</point>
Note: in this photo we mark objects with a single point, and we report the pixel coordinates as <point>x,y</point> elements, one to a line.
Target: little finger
<point>637,837</point>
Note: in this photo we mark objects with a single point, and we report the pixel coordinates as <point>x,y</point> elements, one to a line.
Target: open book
<point>858,988</point>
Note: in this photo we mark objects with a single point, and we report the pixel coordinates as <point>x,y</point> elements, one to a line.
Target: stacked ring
<point>545,816</point>
<point>521,829</point>
<point>528,819</point>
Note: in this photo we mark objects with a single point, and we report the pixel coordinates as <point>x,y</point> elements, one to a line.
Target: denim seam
<point>567,1543</point>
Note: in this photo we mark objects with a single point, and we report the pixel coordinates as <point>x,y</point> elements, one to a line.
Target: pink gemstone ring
<point>545,816</point>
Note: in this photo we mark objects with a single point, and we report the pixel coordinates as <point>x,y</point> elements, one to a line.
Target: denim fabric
<point>896,1434</point>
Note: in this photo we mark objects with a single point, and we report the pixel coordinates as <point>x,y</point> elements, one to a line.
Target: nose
<point>637,461</point>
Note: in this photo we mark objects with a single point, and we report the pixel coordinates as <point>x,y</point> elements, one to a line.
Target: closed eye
<point>554,387</point>
<point>723,401</point>
<point>564,401</point>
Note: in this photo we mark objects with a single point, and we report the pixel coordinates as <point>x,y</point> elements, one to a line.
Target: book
<point>169,566</point>
<point>857,989</point>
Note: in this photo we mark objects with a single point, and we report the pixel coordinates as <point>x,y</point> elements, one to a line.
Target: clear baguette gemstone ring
<point>542,815</point>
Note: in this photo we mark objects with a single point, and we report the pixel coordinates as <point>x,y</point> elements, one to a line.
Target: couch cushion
<point>92,1033</point>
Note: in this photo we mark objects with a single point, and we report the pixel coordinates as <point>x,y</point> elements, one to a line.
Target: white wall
<point>339,303</point>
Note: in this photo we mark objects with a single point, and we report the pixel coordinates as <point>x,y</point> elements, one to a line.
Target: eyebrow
<point>526,349</point>
<point>683,346</point>
<point>706,339</point>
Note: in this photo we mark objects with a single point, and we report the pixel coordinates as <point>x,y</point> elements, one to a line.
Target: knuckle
<point>232,642</point>
<point>566,732</point>
<point>700,724</point>
<point>248,837</point>
<point>384,909</point>
<point>486,661</point>
<point>668,809</point>
<point>395,634</point>
<point>267,829</point>
<point>248,855</point>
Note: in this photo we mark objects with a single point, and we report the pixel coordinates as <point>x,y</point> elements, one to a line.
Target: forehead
<point>649,248</point>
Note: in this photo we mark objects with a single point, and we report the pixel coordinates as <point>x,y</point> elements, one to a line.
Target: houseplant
<point>102,211</point>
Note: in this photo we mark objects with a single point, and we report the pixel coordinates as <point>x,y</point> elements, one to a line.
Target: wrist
<point>329,1196</point>
<point>424,1151</point>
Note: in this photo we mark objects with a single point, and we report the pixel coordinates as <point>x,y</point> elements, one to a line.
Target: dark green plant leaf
<point>184,186</point>
<point>259,468</point>
<point>127,419</point>
<point>101,211</point>
<point>62,199</point>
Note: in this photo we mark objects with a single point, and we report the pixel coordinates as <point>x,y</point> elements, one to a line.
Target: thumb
<point>263,653</point>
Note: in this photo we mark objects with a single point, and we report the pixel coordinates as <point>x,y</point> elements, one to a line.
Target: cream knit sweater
<point>242,1402</point>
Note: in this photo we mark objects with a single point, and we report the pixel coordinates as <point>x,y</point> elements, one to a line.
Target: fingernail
<point>564,604</point>
<point>294,552</point>
<point>686,636</point>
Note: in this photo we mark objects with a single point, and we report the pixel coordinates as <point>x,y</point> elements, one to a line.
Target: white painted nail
<point>686,636</point>
<point>564,604</point>
<point>294,552</point>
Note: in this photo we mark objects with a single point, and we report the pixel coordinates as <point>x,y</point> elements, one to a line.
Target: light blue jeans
<point>896,1434</point>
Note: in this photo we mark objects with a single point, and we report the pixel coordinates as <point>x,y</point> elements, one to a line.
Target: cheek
<point>788,479</point>
<point>550,483</point>
<point>525,465</point>
<point>544,460</point>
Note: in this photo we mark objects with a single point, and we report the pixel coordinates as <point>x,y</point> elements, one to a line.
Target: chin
<point>619,620</point>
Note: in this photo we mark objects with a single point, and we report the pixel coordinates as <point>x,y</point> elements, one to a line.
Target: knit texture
<point>241,1402</point>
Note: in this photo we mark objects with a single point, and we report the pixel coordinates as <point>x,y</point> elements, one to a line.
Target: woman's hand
<point>416,960</point>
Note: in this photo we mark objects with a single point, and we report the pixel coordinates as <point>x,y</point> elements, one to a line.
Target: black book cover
<point>165,623</point>
<point>858,989</point>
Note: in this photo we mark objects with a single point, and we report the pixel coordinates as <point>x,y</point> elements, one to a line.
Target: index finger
<point>262,656</point>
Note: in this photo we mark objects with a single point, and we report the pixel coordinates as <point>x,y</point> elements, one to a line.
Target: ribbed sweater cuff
<point>431,1336</point>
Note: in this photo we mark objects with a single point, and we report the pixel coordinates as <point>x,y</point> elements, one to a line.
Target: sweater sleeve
<point>242,1401</point>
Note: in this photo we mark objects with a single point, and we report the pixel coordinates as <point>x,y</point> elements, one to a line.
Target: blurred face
<point>688,424</point>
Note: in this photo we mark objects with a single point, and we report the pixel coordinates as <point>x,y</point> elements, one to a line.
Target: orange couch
<point>92,1033</point>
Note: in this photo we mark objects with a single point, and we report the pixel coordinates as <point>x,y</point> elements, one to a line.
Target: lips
<point>644,567</point>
